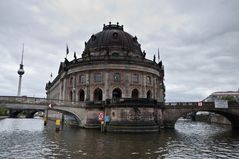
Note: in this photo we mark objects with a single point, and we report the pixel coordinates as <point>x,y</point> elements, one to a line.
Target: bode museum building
<point>112,78</point>
<point>112,66</point>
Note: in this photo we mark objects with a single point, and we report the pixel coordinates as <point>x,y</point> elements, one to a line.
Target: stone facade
<point>112,66</point>
<point>112,69</point>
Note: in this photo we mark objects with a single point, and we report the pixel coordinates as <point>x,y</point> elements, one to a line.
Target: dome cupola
<point>112,40</point>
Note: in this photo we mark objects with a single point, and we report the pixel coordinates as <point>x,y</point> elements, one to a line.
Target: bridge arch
<point>79,117</point>
<point>32,113</point>
<point>232,116</point>
<point>28,113</point>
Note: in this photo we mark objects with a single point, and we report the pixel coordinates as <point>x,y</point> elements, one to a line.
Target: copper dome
<point>112,38</point>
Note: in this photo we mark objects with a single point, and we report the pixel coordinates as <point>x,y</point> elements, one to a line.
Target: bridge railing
<point>39,101</point>
<point>181,103</point>
<point>231,104</point>
<point>56,102</point>
<point>197,104</point>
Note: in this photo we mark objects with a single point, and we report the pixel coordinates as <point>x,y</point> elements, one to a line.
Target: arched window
<point>81,95</point>
<point>117,93</point>
<point>149,94</point>
<point>115,35</point>
<point>135,93</point>
<point>98,94</point>
<point>115,54</point>
<point>71,96</point>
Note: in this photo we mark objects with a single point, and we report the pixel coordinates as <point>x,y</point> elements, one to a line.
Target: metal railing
<point>39,101</point>
<point>117,101</point>
<point>189,104</point>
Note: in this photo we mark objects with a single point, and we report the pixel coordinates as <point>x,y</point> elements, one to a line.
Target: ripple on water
<point>188,140</point>
<point>134,153</point>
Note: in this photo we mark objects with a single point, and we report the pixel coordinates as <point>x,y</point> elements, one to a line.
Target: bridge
<point>171,112</point>
<point>17,104</point>
<point>139,112</point>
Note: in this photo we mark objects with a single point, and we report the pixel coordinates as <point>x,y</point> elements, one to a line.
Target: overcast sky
<point>198,40</point>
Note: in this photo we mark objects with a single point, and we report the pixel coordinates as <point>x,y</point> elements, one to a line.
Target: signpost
<point>101,120</point>
<point>200,104</point>
<point>101,116</point>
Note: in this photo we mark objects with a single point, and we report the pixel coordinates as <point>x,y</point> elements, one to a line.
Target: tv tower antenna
<point>20,72</point>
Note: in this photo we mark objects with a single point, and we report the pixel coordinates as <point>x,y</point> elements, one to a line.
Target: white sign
<point>100,116</point>
<point>221,104</point>
<point>199,104</point>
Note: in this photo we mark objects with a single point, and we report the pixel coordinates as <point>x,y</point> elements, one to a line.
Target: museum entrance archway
<point>149,94</point>
<point>71,96</point>
<point>98,95</point>
<point>135,93</point>
<point>117,93</point>
<point>81,95</point>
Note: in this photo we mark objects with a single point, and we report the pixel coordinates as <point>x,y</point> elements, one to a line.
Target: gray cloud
<point>198,40</point>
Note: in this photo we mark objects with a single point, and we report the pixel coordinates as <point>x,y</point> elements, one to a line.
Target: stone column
<point>106,94</point>
<point>64,89</point>
<point>144,86</point>
<point>74,88</point>
<point>154,88</point>
<point>127,85</point>
<point>87,80</point>
<point>60,90</point>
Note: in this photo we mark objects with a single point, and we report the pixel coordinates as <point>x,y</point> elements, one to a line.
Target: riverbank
<point>4,113</point>
<point>3,117</point>
<point>213,118</point>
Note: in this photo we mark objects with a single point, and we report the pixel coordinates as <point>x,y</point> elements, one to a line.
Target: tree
<point>229,98</point>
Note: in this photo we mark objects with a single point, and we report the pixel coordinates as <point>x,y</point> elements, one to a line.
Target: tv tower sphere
<point>20,72</point>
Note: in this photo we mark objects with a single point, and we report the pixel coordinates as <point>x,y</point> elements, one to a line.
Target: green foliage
<point>230,98</point>
<point>3,112</point>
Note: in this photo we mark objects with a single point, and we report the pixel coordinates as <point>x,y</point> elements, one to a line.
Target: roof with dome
<point>113,37</point>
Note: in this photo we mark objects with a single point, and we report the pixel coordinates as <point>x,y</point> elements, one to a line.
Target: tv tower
<point>20,72</point>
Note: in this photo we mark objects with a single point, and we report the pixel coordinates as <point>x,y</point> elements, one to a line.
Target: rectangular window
<point>117,77</point>
<point>71,81</point>
<point>82,79</point>
<point>98,77</point>
<point>135,78</point>
<point>148,81</point>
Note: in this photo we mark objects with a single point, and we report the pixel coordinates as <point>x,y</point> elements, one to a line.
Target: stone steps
<point>133,128</point>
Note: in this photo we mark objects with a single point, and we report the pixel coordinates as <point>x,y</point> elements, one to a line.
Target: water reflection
<point>28,138</point>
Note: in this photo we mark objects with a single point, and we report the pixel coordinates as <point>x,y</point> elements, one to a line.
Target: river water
<point>28,138</point>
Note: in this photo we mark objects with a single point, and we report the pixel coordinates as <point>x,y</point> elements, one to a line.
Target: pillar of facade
<point>127,85</point>
<point>87,78</point>
<point>64,89</point>
<point>74,89</point>
<point>144,86</point>
<point>60,89</point>
<point>154,88</point>
<point>106,94</point>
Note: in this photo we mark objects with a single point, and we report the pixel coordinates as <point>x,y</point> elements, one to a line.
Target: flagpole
<point>67,50</point>
<point>51,76</point>
<point>158,55</point>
